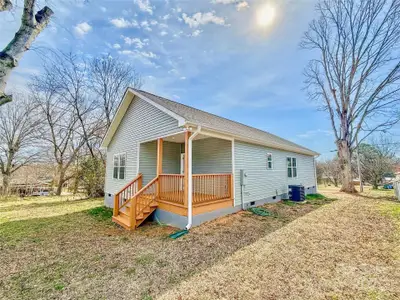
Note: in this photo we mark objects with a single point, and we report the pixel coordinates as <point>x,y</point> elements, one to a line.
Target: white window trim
<point>119,165</point>
<point>272,161</point>
<point>291,162</point>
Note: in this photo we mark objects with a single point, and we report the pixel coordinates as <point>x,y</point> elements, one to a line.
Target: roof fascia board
<point>230,136</point>
<point>180,119</point>
<point>121,110</point>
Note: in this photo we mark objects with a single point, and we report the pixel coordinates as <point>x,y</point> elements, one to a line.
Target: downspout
<point>190,175</point>
<point>315,173</point>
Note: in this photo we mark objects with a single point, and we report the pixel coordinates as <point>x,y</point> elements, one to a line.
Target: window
<point>291,167</point>
<point>119,166</point>
<point>269,161</point>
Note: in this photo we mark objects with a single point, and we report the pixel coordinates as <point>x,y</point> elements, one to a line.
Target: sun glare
<point>266,15</point>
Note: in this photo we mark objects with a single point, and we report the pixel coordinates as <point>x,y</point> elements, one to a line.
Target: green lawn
<point>54,247</point>
<point>60,247</point>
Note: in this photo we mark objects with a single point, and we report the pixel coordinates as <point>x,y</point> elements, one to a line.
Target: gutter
<point>190,175</point>
<point>272,145</point>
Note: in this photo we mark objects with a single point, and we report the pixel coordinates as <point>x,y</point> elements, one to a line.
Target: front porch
<point>181,176</point>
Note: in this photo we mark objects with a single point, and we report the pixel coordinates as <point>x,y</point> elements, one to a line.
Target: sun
<point>266,15</point>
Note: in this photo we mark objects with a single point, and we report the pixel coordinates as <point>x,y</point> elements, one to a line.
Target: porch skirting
<point>180,220</point>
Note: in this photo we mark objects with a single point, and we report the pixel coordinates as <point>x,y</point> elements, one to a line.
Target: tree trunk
<point>344,153</point>
<point>61,180</point>
<point>6,183</point>
<point>31,26</point>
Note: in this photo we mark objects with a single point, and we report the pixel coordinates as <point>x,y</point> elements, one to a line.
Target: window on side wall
<point>269,161</point>
<point>291,167</point>
<point>119,166</point>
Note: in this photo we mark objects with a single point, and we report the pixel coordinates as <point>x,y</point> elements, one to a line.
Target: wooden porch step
<point>125,211</point>
<point>122,221</point>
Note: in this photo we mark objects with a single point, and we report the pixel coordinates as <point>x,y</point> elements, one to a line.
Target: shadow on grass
<point>15,231</point>
<point>87,242</point>
<point>22,206</point>
<point>378,197</point>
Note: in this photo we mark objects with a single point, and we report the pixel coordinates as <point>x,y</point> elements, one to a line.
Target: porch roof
<point>187,115</point>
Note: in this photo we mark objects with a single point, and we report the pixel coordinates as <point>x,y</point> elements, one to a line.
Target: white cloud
<point>178,34</point>
<point>242,5</point>
<point>163,33</point>
<point>122,23</point>
<point>82,28</point>
<point>163,25</point>
<point>145,25</point>
<point>239,4</point>
<point>166,17</point>
<point>197,32</point>
<point>135,41</point>
<point>148,54</point>
<point>153,22</point>
<point>144,5</point>
<point>202,18</point>
<point>315,133</point>
<point>144,57</point>
<point>182,78</point>
<point>116,46</point>
<point>103,9</point>
<point>224,1</point>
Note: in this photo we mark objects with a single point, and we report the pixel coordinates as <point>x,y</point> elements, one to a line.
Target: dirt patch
<point>71,249</point>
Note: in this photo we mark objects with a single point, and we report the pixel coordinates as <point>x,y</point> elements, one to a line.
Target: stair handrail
<point>134,212</point>
<point>136,183</point>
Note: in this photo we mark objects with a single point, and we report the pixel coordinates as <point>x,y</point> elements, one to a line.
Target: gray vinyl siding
<point>148,159</point>
<point>171,158</point>
<point>142,122</point>
<point>212,155</point>
<point>264,183</point>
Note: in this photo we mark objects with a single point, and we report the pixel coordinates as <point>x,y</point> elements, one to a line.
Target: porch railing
<point>172,188</point>
<point>144,197</point>
<point>211,187</point>
<point>126,193</point>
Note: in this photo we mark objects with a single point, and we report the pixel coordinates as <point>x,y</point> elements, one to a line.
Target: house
<point>189,166</point>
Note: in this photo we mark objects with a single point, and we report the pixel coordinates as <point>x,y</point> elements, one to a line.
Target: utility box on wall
<point>243,177</point>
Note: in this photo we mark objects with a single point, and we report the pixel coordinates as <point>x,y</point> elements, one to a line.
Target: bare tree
<point>19,123</point>
<point>60,130</point>
<point>330,170</point>
<point>109,79</point>
<point>69,75</point>
<point>377,159</point>
<point>31,26</point>
<point>356,75</point>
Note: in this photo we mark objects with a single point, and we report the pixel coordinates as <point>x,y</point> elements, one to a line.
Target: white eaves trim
<point>129,95</point>
<point>181,120</point>
<point>226,135</point>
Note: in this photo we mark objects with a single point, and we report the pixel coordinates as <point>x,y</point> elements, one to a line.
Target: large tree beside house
<point>32,24</point>
<point>19,125</point>
<point>355,75</point>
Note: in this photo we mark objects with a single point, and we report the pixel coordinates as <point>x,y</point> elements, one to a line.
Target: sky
<point>239,59</point>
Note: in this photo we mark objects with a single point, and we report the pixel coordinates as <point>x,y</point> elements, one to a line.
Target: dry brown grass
<point>53,248</point>
<point>346,250</point>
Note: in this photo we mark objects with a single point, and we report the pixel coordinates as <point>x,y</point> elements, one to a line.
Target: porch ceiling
<point>180,138</point>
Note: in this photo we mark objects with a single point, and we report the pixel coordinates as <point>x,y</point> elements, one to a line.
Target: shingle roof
<point>223,125</point>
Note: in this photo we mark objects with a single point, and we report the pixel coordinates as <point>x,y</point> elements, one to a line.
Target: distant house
<point>189,166</point>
